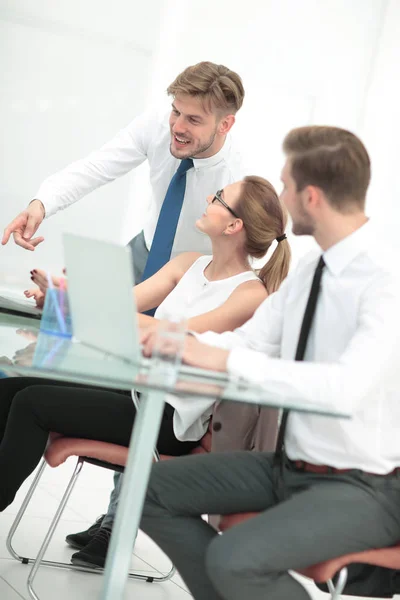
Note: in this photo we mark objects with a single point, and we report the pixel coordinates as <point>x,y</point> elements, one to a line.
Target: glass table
<point>26,351</point>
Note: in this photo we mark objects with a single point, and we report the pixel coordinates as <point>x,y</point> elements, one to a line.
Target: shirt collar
<point>201,163</point>
<point>339,256</point>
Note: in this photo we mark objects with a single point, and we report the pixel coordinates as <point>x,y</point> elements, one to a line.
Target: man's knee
<point>225,564</point>
<point>235,572</point>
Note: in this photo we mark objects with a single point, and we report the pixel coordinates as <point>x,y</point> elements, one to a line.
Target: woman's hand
<point>40,278</point>
<point>38,296</point>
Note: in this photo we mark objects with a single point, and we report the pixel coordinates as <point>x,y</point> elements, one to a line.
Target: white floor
<point>88,500</point>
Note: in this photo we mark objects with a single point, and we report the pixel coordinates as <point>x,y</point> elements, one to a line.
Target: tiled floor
<point>88,500</point>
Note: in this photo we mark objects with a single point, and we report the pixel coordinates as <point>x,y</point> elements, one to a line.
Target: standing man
<point>194,139</point>
<point>191,155</point>
<point>333,485</point>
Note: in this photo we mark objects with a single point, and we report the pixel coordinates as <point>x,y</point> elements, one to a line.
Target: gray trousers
<point>140,254</point>
<point>305,518</point>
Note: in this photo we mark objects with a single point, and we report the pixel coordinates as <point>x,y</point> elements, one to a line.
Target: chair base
<point>337,590</point>
<point>39,561</point>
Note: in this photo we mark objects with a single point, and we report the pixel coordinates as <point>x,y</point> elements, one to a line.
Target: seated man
<point>333,485</point>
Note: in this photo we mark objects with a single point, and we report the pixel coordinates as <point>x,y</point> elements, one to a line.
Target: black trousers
<point>31,407</point>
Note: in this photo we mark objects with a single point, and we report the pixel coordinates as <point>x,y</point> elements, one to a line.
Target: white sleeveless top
<point>193,296</point>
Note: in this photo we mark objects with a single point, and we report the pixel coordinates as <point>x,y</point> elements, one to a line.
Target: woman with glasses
<point>218,292</point>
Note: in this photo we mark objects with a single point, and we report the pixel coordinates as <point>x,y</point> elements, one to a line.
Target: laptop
<point>13,302</point>
<point>102,303</point>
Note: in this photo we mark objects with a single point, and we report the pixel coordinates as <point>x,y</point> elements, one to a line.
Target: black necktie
<point>301,345</point>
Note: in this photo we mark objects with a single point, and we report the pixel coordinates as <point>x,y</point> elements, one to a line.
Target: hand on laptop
<point>40,278</point>
<point>37,295</point>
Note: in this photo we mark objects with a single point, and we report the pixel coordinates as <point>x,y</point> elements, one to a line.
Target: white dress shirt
<point>352,360</point>
<point>147,137</point>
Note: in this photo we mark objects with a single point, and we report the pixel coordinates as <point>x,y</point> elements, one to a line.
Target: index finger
<point>16,223</point>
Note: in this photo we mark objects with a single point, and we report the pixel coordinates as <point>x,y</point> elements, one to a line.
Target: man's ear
<point>312,196</point>
<point>226,124</point>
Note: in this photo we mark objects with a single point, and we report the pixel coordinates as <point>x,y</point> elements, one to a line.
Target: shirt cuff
<point>246,363</point>
<point>45,198</point>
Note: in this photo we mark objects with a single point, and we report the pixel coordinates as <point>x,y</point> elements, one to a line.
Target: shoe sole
<point>83,563</point>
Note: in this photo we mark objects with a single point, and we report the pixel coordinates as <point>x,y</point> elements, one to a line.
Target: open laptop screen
<point>100,291</point>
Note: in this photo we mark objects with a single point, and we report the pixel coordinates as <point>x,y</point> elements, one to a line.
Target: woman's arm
<point>148,294</point>
<point>154,290</point>
<point>235,311</point>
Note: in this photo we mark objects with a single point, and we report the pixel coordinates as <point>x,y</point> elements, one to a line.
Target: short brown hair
<point>333,159</point>
<point>216,85</point>
<point>264,218</point>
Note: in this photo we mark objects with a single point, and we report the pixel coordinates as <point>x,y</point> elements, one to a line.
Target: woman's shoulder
<point>183,262</point>
<point>253,286</point>
<point>187,259</point>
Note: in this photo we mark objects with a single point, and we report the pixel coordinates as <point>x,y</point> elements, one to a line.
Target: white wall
<point>71,74</point>
<point>381,126</point>
<point>302,62</point>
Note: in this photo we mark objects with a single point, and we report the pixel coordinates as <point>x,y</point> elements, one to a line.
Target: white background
<point>73,73</point>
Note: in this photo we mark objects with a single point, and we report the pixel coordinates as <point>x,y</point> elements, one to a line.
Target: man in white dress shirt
<point>205,100</point>
<point>334,486</point>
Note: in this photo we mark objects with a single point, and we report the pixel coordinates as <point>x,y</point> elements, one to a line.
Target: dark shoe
<point>94,554</point>
<point>81,539</point>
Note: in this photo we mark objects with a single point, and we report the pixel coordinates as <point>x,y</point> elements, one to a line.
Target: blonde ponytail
<point>276,268</point>
<point>264,219</point>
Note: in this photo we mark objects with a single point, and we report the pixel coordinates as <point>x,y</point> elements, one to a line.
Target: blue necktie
<point>160,251</point>
<point>161,248</point>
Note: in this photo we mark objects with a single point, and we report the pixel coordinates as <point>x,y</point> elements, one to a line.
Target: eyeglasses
<point>218,197</point>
